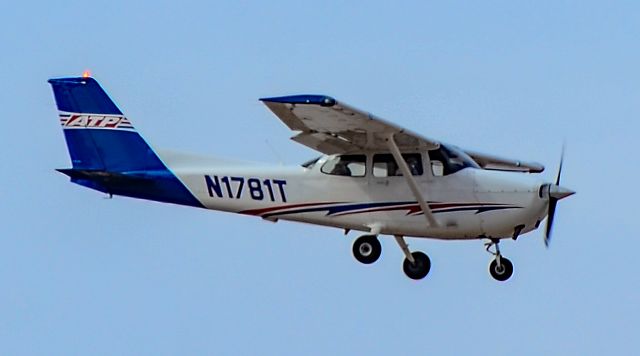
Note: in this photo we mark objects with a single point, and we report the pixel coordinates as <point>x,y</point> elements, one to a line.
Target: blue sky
<point>82,275</point>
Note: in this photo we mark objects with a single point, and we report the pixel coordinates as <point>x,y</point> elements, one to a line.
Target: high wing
<point>328,126</point>
<point>495,163</point>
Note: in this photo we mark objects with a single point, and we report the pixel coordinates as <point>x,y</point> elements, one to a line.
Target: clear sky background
<point>83,275</point>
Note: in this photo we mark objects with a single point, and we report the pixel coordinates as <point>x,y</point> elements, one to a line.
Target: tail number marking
<point>234,187</point>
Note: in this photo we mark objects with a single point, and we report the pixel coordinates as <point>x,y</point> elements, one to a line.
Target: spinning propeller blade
<point>556,193</point>
<point>552,212</point>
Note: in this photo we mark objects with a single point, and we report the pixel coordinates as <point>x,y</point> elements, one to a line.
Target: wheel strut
<point>500,268</point>
<point>405,248</point>
<point>494,242</point>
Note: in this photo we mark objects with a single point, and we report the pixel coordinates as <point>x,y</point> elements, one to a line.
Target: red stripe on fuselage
<point>259,212</point>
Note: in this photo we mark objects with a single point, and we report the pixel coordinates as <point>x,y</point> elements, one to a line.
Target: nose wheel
<point>367,249</point>
<point>500,267</point>
<point>501,271</point>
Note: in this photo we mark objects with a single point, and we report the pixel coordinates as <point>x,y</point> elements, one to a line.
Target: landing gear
<point>367,249</point>
<point>416,264</point>
<point>420,266</point>
<point>500,268</point>
<point>501,272</point>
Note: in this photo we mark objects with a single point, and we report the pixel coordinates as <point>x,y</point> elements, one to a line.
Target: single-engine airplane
<point>372,176</point>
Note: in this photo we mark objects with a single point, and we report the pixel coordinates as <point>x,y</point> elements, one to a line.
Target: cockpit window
<point>345,165</point>
<point>384,165</point>
<point>309,164</point>
<point>449,159</point>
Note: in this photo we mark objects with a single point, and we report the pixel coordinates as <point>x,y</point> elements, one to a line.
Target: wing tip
<point>310,99</point>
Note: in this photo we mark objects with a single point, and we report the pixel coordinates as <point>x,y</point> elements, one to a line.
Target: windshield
<point>457,154</point>
<point>451,159</point>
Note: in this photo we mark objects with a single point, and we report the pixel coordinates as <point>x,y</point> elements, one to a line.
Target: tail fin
<point>98,135</point>
<point>107,154</point>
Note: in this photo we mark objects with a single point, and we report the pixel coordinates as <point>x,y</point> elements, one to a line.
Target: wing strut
<point>406,173</point>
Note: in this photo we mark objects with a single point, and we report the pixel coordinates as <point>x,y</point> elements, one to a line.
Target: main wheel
<point>503,272</point>
<point>367,249</point>
<point>420,268</point>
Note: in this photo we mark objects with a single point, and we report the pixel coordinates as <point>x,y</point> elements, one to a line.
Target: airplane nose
<point>558,192</point>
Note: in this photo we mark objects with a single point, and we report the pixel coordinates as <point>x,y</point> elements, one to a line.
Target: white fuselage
<point>469,204</point>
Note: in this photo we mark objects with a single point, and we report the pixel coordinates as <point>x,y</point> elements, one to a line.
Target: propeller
<point>556,193</point>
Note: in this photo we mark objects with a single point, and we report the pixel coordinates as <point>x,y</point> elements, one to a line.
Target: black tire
<point>504,272</point>
<point>421,267</point>
<point>367,249</point>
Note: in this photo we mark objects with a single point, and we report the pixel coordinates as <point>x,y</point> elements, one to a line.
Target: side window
<point>346,165</point>
<point>437,168</point>
<point>438,161</point>
<point>384,165</point>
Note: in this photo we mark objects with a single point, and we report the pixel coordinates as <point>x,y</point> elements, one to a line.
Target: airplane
<point>371,176</point>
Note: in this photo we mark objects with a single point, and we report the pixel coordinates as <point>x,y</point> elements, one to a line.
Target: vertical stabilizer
<point>98,135</point>
<point>107,154</point>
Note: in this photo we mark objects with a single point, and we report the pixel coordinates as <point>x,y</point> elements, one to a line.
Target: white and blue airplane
<point>372,176</point>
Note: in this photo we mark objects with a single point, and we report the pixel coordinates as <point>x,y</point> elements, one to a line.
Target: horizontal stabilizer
<point>103,177</point>
<point>159,185</point>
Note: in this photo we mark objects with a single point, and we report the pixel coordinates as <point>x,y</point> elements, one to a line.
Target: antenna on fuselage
<point>275,153</point>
